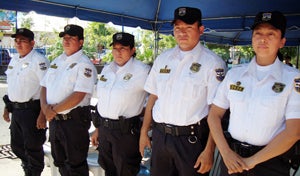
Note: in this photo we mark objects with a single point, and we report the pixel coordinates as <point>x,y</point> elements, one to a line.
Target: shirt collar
<point>74,57</point>
<point>276,68</point>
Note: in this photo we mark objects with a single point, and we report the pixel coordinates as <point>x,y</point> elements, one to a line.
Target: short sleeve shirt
<point>259,108</point>
<point>24,76</point>
<point>185,84</point>
<point>120,91</point>
<point>68,74</point>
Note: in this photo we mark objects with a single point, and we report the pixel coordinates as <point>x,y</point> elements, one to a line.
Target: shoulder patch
<point>87,72</point>
<point>297,84</point>
<point>220,74</point>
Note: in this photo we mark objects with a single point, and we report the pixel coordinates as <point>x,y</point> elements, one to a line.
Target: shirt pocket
<point>193,87</point>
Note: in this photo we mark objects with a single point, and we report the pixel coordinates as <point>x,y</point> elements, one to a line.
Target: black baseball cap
<point>188,15</point>
<point>123,38</point>
<point>275,18</point>
<point>24,32</point>
<point>72,30</point>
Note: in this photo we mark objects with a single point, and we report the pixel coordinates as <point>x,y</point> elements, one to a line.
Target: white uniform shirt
<point>120,91</point>
<point>68,74</point>
<point>259,109</point>
<point>24,76</point>
<point>185,86</point>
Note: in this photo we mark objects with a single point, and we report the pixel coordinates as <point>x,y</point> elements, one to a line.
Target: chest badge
<point>54,66</point>
<point>102,78</point>
<point>195,67</point>
<point>25,65</point>
<point>278,87</point>
<point>165,70</point>
<point>127,76</point>
<point>237,86</point>
<point>72,65</point>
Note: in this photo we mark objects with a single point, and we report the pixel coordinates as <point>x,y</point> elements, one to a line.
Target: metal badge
<point>181,11</point>
<point>119,37</point>
<point>266,16</point>
<point>127,76</point>
<point>25,65</point>
<point>278,87</point>
<point>195,67</point>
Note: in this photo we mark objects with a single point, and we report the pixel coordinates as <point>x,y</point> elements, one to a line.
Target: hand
<point>234,162</point>
<point>144,142</point>
<point>49,112</point>
<point>204,162</point>
<point>249,162</point>
<point>6,115</point>
<point>41,122</point>
<point>94,137</point>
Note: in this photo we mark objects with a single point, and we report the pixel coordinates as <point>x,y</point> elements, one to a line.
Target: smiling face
<point>186,35</point>
<point>266,41</point>
<point>71,44</point>
<point>122,53</point>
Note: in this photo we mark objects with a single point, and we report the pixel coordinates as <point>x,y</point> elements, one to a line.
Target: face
<point>23,45</point>
<point>266,41</point>
<point>71,44</point>
<point>122,53</point>
<point>186,35</point>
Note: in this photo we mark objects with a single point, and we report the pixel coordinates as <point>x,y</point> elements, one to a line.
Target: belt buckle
<point>106,123</point>
<point>168,129</point>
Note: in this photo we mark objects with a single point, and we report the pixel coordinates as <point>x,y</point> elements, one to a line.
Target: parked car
<point>5,56</point>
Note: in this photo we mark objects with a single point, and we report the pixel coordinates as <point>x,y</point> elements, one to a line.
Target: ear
<point>32,42</point>
<point>282,42</point>
<point>201,29</point>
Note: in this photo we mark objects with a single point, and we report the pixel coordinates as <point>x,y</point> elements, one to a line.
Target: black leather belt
<point>63,116</point>
<point>178,130</point>
<point>117,124</point>
<point>25,105</point>
<point>242,148</point>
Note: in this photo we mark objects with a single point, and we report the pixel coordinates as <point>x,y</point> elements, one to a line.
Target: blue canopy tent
<point>226,21</point>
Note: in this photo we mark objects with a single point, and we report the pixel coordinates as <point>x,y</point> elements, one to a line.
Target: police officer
<point>121,99</point>
<point>65,97</point>
<point>182,84</point>
<point>264,101</point>
<point>28,123</point>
